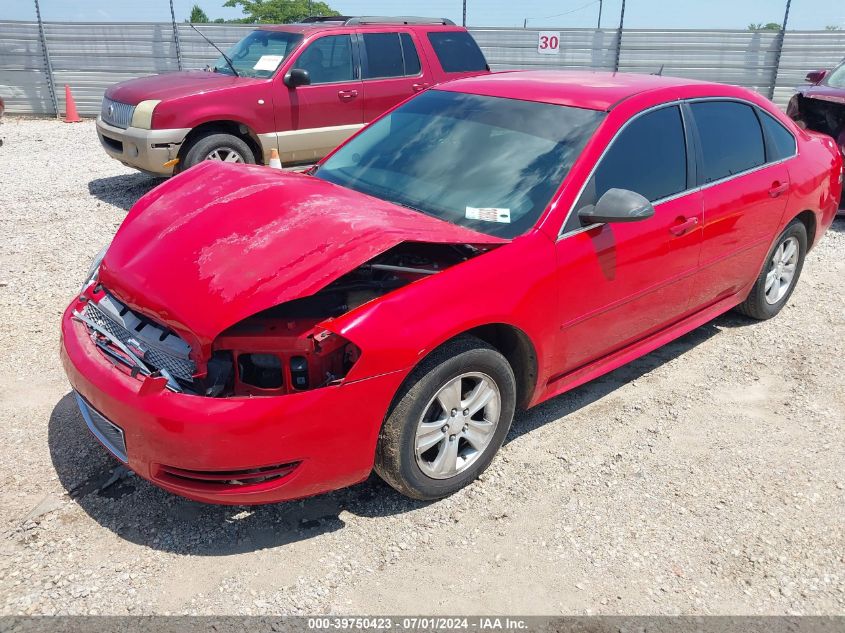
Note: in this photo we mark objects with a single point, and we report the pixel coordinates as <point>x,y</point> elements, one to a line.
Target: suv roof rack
<point>375,19</point>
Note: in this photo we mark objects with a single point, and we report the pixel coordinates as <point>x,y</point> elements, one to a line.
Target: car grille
<point>156,346</point>
<point>107,432</point>
<point>116,113</point>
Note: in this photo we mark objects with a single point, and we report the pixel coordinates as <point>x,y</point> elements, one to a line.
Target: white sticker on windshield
<point>268,62</point>
<point>489,214</point>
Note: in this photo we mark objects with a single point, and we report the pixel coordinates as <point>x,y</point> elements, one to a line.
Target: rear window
<point>781,142</point>
<point>731,138</point>
<point>457,51</point>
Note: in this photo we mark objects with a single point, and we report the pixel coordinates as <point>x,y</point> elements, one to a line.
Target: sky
<point>665,14</point>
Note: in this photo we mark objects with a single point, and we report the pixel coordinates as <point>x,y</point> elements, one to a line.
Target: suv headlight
<point>94,268</point>
<point>142,117</point>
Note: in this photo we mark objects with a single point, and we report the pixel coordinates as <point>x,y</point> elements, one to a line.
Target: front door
<point>620,282</point>
<point>314,119</point>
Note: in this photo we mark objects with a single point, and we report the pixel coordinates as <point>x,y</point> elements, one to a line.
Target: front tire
<point>780,273</point>
<point>448,420</point>
<point>216,146</point>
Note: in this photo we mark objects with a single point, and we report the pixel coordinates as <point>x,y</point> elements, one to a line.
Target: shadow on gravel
<point>122,191</point>
<point>141,513</point>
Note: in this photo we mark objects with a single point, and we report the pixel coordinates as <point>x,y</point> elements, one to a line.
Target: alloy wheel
<point>225,155</point>
<point>782,268</point>
<point>457,425</point>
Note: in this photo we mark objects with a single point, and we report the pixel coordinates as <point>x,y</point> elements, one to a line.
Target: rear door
<point>391,68</point>
<point>620,282</point>
<point>314,119</point>
<point>743,171</point>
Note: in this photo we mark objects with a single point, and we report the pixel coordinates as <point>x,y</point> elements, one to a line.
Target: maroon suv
<point>300,89</point>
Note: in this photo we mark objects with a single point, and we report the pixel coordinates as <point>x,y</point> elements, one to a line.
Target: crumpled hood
<point>174,85</point>
<point>222,242</point>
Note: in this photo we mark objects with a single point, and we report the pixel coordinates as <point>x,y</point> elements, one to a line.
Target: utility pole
<point>48,67</point>
<point>598,26</point>
<point>781,36</point>
<point>464,23</point>
<point>619,37</point>
<point>176,37</point>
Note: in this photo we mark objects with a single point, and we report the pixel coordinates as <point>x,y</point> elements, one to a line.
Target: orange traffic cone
<point>274,159</point>
<point>71,115</point>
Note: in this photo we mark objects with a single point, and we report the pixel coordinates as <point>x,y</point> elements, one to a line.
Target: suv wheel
<point>217,146</point>
<point>448,421</point>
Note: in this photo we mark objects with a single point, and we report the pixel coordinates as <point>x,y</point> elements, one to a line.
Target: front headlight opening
<point>142,116</point>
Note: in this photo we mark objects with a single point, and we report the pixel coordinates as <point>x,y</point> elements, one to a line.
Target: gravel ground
<point>704,478</point>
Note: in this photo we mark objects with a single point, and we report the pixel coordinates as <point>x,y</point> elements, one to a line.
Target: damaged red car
<point>820,106</point>
<point>253,336</point>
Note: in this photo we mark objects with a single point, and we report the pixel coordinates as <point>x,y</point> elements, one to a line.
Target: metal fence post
<point>464,22</point>
<point>48,67</point>
<point>176,37</point>
<point>619,37</point>
<point>779,51</point>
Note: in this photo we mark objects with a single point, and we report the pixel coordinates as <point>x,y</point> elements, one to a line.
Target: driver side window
<point>328,60</point>
<point>648,156</point>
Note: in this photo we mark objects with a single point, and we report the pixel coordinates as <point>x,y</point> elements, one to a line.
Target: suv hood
<point>219,243</point>
<point>174,86</point>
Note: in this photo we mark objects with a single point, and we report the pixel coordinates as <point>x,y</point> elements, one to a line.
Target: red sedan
<point>254,336</point>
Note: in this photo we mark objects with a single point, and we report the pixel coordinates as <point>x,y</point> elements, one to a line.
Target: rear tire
<point>216,146</point>
<point>419,426</point>
<point>780,273</point>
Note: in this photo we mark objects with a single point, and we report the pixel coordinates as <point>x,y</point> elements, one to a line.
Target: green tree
<point>198,16</point>
<point>280,11</point>
<point>759,26</point>
<point>832,27</point>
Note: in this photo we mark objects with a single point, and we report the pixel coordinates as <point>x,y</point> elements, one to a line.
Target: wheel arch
<point>227,126</point>
<point>810,222</point>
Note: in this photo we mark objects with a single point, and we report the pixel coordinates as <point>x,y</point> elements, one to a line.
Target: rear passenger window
<point>384,55</point>
<point>457,51</point>
<point>648,156</point>
<point>409,54</point>
<point>390,55</point>
<point>731,138</point>
<point>780,142</point>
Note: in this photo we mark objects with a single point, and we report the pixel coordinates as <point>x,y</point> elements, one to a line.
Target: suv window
<point>390,55</point>
<point>328,60</point>
<point>648,156</point>
<point>731,138</point>
<point>410,55</point>
<point>457,51</point>
<point>781,143</point>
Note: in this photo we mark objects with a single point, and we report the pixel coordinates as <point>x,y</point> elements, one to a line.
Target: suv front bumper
<point>146,150</point>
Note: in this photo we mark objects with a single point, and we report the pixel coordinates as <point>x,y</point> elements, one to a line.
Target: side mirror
<point>296,77</point>
<point>816,76</point>
<point>617,205</point>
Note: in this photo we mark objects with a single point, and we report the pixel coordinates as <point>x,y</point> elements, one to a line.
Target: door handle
<point>347,94</point>
<point>420,87</point>
<point>685,225</point>
<point>778,188</point>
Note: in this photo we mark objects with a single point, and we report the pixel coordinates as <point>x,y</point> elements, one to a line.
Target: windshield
<point>259,53</point>
<point>836,79</point>
<point>487,163</point>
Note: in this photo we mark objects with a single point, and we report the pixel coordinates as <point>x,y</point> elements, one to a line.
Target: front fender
<point>513,284</point>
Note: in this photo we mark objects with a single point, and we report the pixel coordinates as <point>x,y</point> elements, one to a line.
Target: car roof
<point>594,90</point>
